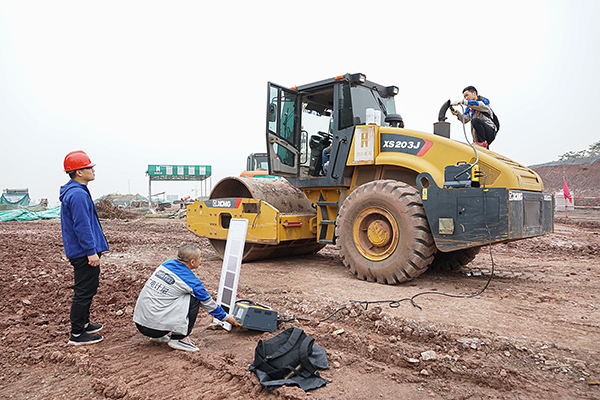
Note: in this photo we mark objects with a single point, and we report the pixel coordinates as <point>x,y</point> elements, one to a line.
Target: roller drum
<point>280,194</point>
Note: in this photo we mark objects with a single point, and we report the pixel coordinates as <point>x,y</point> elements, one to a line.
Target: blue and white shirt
<point>163,303</point>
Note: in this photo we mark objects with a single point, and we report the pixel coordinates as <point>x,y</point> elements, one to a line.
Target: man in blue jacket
<point>170,300</point>
<point>84,242</point>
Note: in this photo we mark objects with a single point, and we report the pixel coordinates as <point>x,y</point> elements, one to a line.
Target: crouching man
<point>171,299</point>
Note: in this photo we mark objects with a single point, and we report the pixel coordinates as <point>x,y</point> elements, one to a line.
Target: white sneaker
<point>162,339</point>
<point>184,344</point>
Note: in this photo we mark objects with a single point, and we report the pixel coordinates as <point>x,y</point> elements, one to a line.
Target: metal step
<point>327,203</point>
<point>325,241</point>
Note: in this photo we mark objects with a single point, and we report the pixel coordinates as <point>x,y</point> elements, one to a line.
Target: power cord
<point>462,120</point>
<point>396,303</point>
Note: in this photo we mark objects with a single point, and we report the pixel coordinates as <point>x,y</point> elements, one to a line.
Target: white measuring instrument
<point>230,272</point>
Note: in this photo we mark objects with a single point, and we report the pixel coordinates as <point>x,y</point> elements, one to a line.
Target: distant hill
<point>582,175</point>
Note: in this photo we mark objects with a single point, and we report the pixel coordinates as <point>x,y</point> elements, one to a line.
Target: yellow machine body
<point>266,225</point>
<point>281,220</point>
<point>394,200</point>
<point>433,154</point>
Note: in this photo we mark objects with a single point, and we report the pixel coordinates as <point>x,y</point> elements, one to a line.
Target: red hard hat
<point>77,160</point>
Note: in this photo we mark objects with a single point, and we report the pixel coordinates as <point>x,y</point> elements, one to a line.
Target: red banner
<point>566,192</point>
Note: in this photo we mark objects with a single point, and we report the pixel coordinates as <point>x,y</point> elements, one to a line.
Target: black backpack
<point>494,119</point>
<point>290,358</point>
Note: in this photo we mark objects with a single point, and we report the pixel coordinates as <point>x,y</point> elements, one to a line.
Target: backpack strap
<point>287,346</point>
<point>304,352</point>
<point>283,349</point>
<point>491,115</point>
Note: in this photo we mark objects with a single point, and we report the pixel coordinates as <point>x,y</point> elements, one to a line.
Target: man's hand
<point>94,260</point>
<point>232,321</point>
<point>454,112</point>
<point>457,102</point>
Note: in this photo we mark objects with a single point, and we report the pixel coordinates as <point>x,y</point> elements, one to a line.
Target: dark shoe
<point>84,338</point>
<point>93,328</point>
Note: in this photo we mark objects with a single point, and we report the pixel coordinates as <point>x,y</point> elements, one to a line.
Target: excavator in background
<point>256,165</point>
<point>396,201</point>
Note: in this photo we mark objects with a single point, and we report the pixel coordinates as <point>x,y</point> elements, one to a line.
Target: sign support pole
<point>149,194</point>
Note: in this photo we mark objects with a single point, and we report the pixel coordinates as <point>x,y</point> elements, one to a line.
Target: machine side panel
<point>532,214</point>
<point>425,152</point>
<point>461,218</point>
<point>211,218</point>
<point>266,225</point>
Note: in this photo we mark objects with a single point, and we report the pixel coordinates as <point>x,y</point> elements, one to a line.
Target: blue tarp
<point>22,214</point>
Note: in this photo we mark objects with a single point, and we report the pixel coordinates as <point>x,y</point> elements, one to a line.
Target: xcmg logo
<point>223,203</point>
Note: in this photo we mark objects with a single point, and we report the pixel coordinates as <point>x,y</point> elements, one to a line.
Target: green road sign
<point>178,172</point>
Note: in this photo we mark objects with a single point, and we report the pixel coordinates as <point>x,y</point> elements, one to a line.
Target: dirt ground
<point>532,334</point>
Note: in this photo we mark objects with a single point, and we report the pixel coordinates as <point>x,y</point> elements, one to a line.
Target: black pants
<point>484,132</point>
<point>87,279</point>
<point>192,315</point>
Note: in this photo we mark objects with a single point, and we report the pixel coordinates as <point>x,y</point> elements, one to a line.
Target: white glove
<point>457,102</point>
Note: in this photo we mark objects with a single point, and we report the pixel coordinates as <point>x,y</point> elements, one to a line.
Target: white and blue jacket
<point>164,301</point>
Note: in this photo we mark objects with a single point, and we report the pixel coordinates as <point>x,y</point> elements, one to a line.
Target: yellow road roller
<point>344,170</point>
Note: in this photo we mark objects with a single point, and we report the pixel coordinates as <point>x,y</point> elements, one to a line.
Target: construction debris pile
<point>108,210</point>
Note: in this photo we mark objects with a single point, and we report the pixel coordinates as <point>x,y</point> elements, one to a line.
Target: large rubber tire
<point>453,259</point>
<point>383,233</point>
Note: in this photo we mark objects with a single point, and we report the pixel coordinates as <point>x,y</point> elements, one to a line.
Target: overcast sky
<point>134,83</point>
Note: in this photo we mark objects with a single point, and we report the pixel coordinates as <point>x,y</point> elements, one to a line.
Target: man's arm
<point>464,118</point>
<point>199,292</point>
<point>82,224</point>
<point>479,105</point>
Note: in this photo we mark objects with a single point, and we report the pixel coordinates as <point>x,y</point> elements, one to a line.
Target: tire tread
<point>422,248</point>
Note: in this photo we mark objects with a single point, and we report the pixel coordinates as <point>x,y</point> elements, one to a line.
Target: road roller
<point>344,170</point>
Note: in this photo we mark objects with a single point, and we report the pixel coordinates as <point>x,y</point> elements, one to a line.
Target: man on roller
<point>479,112</point>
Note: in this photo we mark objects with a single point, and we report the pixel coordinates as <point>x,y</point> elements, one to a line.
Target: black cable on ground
<point>396,303</point>
<point>292,319</point>
<point>333,313</point>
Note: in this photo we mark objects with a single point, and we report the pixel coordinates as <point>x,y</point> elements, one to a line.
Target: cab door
<point>283,131</point>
